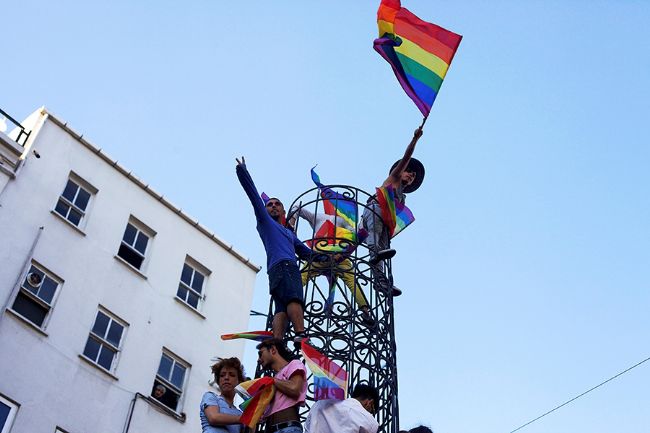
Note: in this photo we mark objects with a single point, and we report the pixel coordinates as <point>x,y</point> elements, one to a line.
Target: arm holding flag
<point>395,176</point>
<point>216,418</point>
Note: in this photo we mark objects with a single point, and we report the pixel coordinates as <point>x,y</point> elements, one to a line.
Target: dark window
<point>30,309</point>
<point>168,385</point>
<point>34,299</point>
<point>133,246</point>
<point>73,202</point>
<point>104,340</point>
<point>190,286</point>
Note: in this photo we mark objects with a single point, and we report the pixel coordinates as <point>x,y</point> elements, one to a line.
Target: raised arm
<point>394,176</point>
<point>251,191</point>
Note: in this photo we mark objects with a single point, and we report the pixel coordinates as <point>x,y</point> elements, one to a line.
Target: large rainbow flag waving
<point>330,379</point>
<point>419,52</point>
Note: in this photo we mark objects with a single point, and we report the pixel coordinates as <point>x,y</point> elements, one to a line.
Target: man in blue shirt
<point>281,245</point>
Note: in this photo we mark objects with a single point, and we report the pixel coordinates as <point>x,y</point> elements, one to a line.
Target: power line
<point>578,396</point>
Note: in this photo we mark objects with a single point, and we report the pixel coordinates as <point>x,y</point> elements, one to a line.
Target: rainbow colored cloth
<point>249,335</point>
<point>257,395</point>
<point>394,213</point>
<point>419,52</point>
<point>342,237</point>
<point>330,379</point>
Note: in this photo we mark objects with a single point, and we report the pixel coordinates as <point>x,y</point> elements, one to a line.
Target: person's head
<point>275,208</point>
<point>412,176</point>
<point>420,429</point>
<point>271,351</point>
<point>408,177</point>
<point>159,391</point>
<point>228,372</point>
<point>367,396</point>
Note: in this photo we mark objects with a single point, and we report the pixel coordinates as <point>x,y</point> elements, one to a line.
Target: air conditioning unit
<point>35,280</point>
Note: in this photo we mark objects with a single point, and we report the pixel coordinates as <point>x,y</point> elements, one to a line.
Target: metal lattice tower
<point>338,329</point>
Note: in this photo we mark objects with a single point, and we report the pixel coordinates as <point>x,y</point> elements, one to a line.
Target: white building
<point>107,291</point>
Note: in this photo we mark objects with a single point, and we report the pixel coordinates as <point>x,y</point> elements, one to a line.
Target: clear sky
<point>526,273</point>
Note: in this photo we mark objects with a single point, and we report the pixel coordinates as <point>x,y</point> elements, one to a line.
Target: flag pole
<point>424,120</point>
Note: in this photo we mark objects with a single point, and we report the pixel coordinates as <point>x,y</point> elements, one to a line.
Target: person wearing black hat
<point>405,176</point>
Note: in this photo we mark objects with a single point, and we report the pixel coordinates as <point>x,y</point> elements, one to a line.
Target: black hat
<point>416,166</point>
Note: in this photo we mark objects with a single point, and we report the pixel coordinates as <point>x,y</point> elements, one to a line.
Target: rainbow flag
<point>419,52</point>
<point>257,395</point>
<point>335,203</point>
<point>250,335</point>
<point>330,379</point>
<point>395,214</point>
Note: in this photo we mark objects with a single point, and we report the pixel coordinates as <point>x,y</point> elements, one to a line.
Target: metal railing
<point>23,134</point>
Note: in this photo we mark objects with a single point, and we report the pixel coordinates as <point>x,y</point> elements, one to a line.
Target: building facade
<point>113,299</point>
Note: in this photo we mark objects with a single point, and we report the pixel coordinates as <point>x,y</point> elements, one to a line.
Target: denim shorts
<point>285,285</point>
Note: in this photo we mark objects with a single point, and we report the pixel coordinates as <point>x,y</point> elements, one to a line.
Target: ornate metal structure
<point>335,289</point>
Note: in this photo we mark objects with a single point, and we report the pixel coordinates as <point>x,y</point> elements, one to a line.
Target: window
<point>74,200</point>
<point>190,288</point>
<point>8,411</point>
<point>134,244</point>
<point>36,295</point>
<point>105,340</point>
<point>170,379</point>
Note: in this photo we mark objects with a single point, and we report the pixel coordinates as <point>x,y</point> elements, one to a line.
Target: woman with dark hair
<point>218,412</point>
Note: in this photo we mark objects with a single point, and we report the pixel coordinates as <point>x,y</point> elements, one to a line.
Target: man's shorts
<point>285,285</point>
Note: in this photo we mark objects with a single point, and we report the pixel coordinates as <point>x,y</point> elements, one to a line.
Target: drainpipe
<point>23,269</point>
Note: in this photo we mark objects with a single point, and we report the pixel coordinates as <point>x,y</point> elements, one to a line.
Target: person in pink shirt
<point>290,382</point>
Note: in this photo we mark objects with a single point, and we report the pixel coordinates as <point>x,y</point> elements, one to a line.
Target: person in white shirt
<point>354,415</point>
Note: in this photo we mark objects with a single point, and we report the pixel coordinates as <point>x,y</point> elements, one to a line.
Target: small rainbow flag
<point>395,214</point>
<point>330,379</point>
<point>335,203</point>
<point>419,52</point>
<point>257,395</point>
<point>250,335</point>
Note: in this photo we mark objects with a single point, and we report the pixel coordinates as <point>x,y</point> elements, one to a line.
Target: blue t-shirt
<point>212,399</point>
<point>279,242</point>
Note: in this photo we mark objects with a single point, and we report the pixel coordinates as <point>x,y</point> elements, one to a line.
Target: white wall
<point>44,372</point>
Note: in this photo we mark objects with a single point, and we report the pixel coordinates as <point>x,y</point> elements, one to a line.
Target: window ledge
<point>180,417</point>
<point>25,321</point>
<point>98,367</point>
<point>189,307</point>
<point>77,229</point>
<point>130,266</point>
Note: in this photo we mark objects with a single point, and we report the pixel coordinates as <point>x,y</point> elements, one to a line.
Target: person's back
<point>353,415</point>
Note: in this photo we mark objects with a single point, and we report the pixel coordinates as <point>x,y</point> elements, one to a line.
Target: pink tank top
<point>282,401</point>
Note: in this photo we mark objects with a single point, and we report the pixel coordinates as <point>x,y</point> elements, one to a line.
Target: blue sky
<point>526,272</point>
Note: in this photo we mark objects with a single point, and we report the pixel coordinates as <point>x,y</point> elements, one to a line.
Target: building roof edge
<point>159,197</point>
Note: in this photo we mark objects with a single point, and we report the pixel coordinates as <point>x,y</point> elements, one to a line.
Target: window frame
<point>102,341</point>
<point>167,381</point>
<point>81,184</point>
<point>22,290</point>
<point>196,267</point>
<point>13,410</point>
<point>140,228</point>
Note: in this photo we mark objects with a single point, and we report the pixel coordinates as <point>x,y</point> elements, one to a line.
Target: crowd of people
<point>219,414</point>
<point>355,414</point>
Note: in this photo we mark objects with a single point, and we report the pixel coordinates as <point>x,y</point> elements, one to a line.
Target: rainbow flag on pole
<point>419,52</point>
<point>335,203</point>
<point>330,379</point>
<point>250,335</point>
<point>394,213</point>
